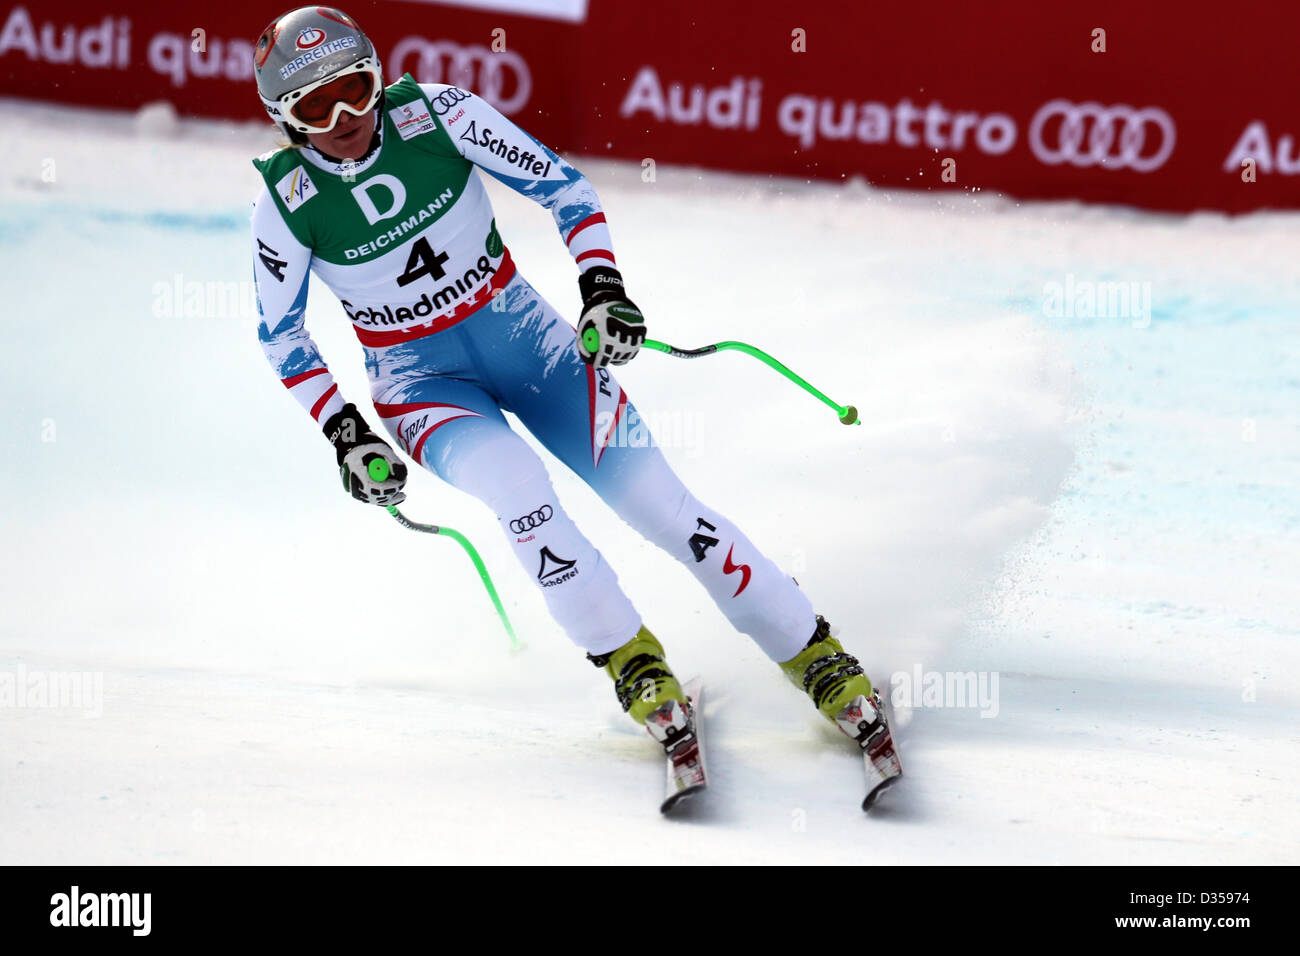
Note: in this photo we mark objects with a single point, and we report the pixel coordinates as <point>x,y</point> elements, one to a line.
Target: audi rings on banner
<point>1113,137</point>
<point>503,79</point>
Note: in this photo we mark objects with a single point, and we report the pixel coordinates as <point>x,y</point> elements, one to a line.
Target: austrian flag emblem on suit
<point>414,422</point>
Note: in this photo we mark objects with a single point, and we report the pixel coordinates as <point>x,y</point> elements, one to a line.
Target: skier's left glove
<point>611,329</point>
<point>359,452</point>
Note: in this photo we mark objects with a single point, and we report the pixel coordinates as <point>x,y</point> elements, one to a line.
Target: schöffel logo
<point>503,79</point>
<point>1112,137</point>
<point>311,37</point>
<point>532,520</point>
<point>537,167</point>
<point>555,570</point>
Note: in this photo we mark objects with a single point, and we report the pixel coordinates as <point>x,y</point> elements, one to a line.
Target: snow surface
<point>1100,512</point>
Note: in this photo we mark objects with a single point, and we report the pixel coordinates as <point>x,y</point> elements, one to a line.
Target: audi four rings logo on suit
<point>444,101</point>
<point>532,520</point>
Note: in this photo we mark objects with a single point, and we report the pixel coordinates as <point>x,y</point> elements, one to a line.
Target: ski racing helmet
<point>312,64</point>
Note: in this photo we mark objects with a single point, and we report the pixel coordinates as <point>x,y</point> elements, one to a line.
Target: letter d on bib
<point>394,186</point>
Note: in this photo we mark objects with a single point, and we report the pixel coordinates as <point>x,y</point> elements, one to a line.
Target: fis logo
<point>295,188</point>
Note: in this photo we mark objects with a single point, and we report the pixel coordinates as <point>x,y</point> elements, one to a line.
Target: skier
<point>378,193</point>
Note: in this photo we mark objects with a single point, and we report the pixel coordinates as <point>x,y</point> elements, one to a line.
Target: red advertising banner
<point>1155,104</point>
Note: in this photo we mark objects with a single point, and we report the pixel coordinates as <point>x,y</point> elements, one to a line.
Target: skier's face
<point>349,139</point>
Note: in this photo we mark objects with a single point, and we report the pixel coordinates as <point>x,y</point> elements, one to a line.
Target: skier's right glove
<point>359,452</point>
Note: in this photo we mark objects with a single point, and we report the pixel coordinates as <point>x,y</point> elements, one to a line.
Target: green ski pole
<point>848,415</point>
<point>379,470</point>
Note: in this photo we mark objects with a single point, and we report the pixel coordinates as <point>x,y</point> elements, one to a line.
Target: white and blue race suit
<point>453,335</point>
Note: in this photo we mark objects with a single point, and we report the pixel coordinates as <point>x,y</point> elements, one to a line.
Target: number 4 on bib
<point>422,261</point>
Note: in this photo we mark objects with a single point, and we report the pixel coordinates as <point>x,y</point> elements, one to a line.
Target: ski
<point>686,773</point>
<point>866,721</point>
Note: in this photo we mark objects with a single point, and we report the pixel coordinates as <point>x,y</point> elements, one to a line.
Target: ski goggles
<point>316,107</point>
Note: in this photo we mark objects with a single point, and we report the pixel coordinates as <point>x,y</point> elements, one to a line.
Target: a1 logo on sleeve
<point>295,188</point>
<point>411,119</point>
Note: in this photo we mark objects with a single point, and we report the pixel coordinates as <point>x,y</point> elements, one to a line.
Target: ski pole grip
<point>379,468</point>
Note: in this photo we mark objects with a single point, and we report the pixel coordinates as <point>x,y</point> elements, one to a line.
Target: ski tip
<point>875,794</point>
